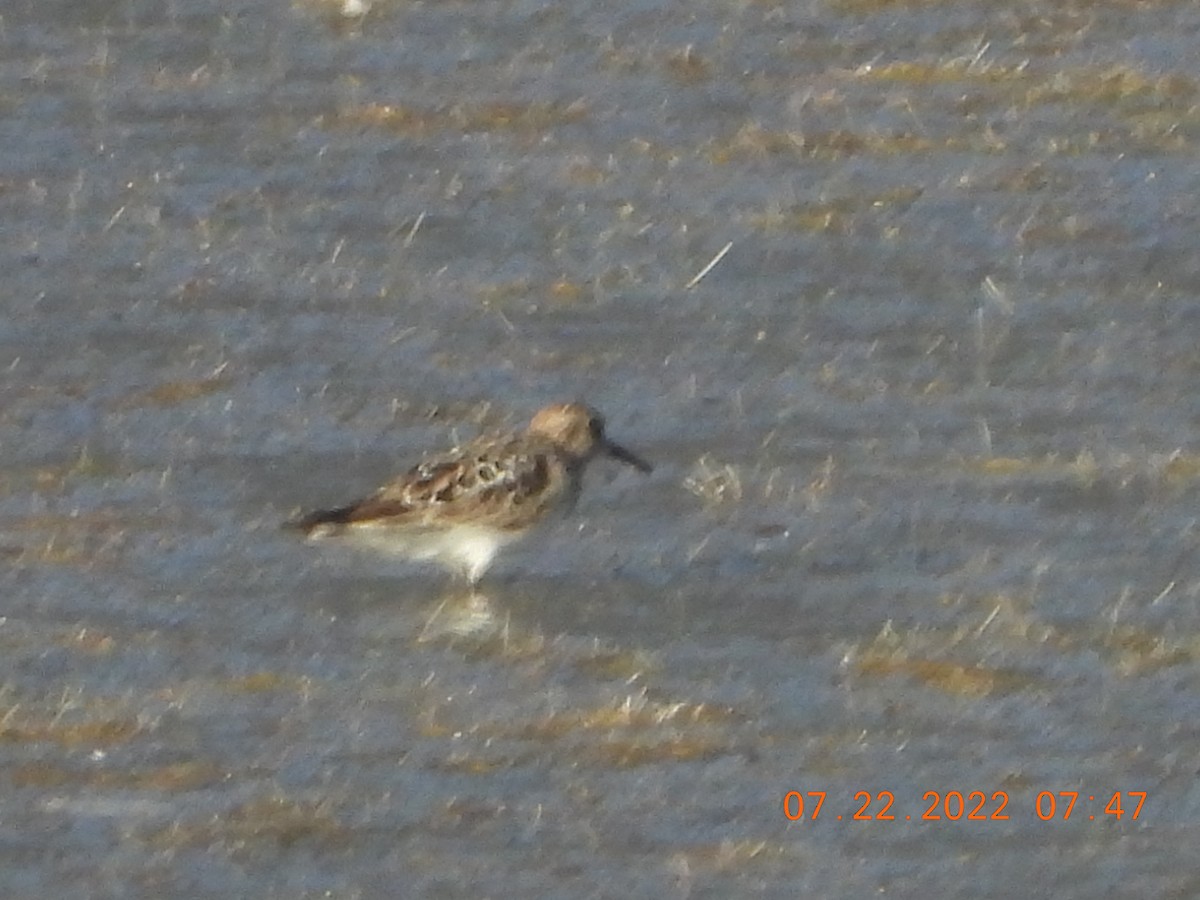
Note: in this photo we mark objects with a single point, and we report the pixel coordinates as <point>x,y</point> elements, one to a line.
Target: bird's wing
<point>485,484</point>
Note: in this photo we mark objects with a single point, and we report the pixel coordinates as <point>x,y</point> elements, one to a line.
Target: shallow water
<point>922,518</point>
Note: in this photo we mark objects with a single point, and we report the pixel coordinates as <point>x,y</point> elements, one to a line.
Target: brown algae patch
<point>1182,467</point>
<point>526,118</point>
<point>1137,651</point>
<point>865,7</point>
<point>74,539</point>
<point>269,819</point>
<point>635,732</point>
<point>1083,467</point>
<point>1129,650</point>
<point>633,713</point>
<point>1156,111</point>
<point>687,66</point>
<point>945,659</point>
<point>525,297</point>
<point>611,664</point>
<point>1029,86</point>
<point>1103,107</point>
<point>65,731</point>
<point>754,140</point>
<point>949,677</point>
<point>265,682</point>
<point>86,465</point>
<point>838,216</point>
<point>1123,470</point>
<point>953,71</point>
<point>174,393</point>
<point>1120,86</point>
<point>634,752</point>
<point>566,291</point>
<point>468,763</point>
<point>87,640</point>
<point>176,777</point>
<point>466,815</point>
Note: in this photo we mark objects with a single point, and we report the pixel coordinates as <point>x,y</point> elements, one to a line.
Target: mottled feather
<point>484,483</point>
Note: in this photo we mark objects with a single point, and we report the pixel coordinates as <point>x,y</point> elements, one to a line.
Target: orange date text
<point>967,806</point>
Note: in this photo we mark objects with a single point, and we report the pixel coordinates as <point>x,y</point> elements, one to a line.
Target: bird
<point>461,507</point>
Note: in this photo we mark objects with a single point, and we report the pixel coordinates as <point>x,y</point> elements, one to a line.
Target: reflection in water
<point>470,614</point>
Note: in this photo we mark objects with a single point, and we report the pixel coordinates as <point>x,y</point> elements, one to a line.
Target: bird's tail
<point>320,520</point>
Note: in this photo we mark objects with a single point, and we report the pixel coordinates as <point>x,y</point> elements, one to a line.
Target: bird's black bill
<point>616,451</point>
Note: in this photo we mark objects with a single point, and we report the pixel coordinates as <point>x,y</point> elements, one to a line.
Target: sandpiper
<point>460,507</point>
